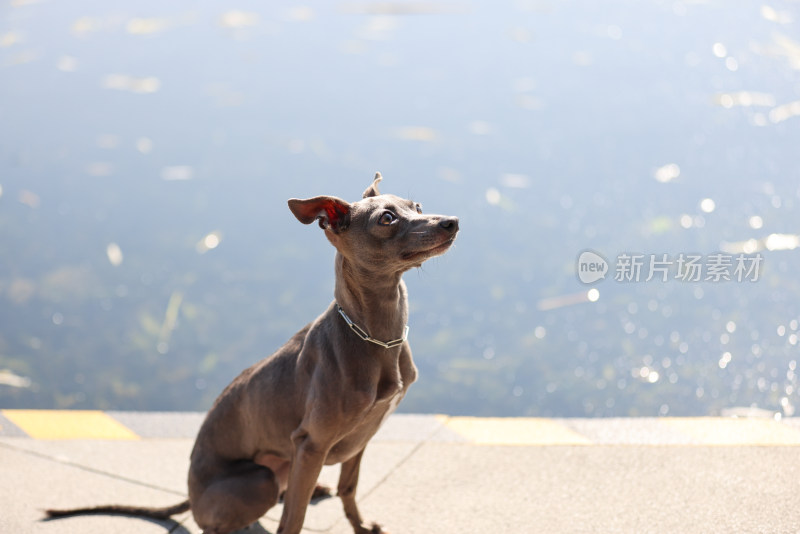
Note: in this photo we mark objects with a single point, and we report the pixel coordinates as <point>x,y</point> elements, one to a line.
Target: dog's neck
<point>376,303</point>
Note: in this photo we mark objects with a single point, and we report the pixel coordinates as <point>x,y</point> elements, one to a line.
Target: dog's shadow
<point>170,525</point>
<point>173,527</point>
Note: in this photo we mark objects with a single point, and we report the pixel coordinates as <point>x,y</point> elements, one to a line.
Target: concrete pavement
<point>432,474</point>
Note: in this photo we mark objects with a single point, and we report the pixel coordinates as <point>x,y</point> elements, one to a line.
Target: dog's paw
<point>321,492</point>
<point>375,528</point>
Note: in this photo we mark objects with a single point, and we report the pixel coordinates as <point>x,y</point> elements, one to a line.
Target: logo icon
<point>591,267</point>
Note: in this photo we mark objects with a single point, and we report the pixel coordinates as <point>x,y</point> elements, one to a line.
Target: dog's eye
<point>419,208</point>
<point>387,218</point>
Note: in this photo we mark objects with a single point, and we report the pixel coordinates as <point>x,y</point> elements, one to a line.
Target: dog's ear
<point>372,191</point>
<point>333,213</point>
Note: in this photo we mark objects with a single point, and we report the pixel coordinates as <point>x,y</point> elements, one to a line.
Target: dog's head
<point>379,232</point>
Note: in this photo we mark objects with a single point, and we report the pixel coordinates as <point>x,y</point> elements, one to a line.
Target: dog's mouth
<point>430,252</point>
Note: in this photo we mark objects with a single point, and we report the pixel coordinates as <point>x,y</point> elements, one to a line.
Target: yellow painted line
<point>727,431</point>
<point>69,424</point>
<point>514,431</point>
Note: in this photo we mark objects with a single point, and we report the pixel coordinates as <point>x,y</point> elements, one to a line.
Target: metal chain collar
<point>366,337</point>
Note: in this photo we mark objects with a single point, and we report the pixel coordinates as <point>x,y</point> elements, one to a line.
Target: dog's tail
<point>153,513</point>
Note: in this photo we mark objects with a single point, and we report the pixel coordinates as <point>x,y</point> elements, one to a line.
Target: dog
<point>321,397</point>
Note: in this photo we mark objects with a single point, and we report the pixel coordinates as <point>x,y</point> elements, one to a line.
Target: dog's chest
<point>390,389</point>
<point>383,407</point>
<point>393,402</point>
<point>361,433</point>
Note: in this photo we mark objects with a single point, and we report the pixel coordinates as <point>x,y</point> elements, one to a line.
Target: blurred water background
<point>147,150</point>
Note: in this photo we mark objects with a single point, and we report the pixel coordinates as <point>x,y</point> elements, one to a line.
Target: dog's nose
<point>449,223</point>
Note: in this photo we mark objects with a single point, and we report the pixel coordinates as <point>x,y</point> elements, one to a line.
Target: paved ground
<point>434,474</point>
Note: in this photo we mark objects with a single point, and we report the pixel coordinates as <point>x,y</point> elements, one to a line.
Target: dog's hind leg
<point>234,499</point>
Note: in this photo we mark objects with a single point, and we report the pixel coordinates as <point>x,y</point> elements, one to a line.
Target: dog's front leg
<point>348,482</point>
<point>309,457</point>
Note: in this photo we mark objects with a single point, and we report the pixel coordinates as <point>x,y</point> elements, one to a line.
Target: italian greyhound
<point>320,398</point>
